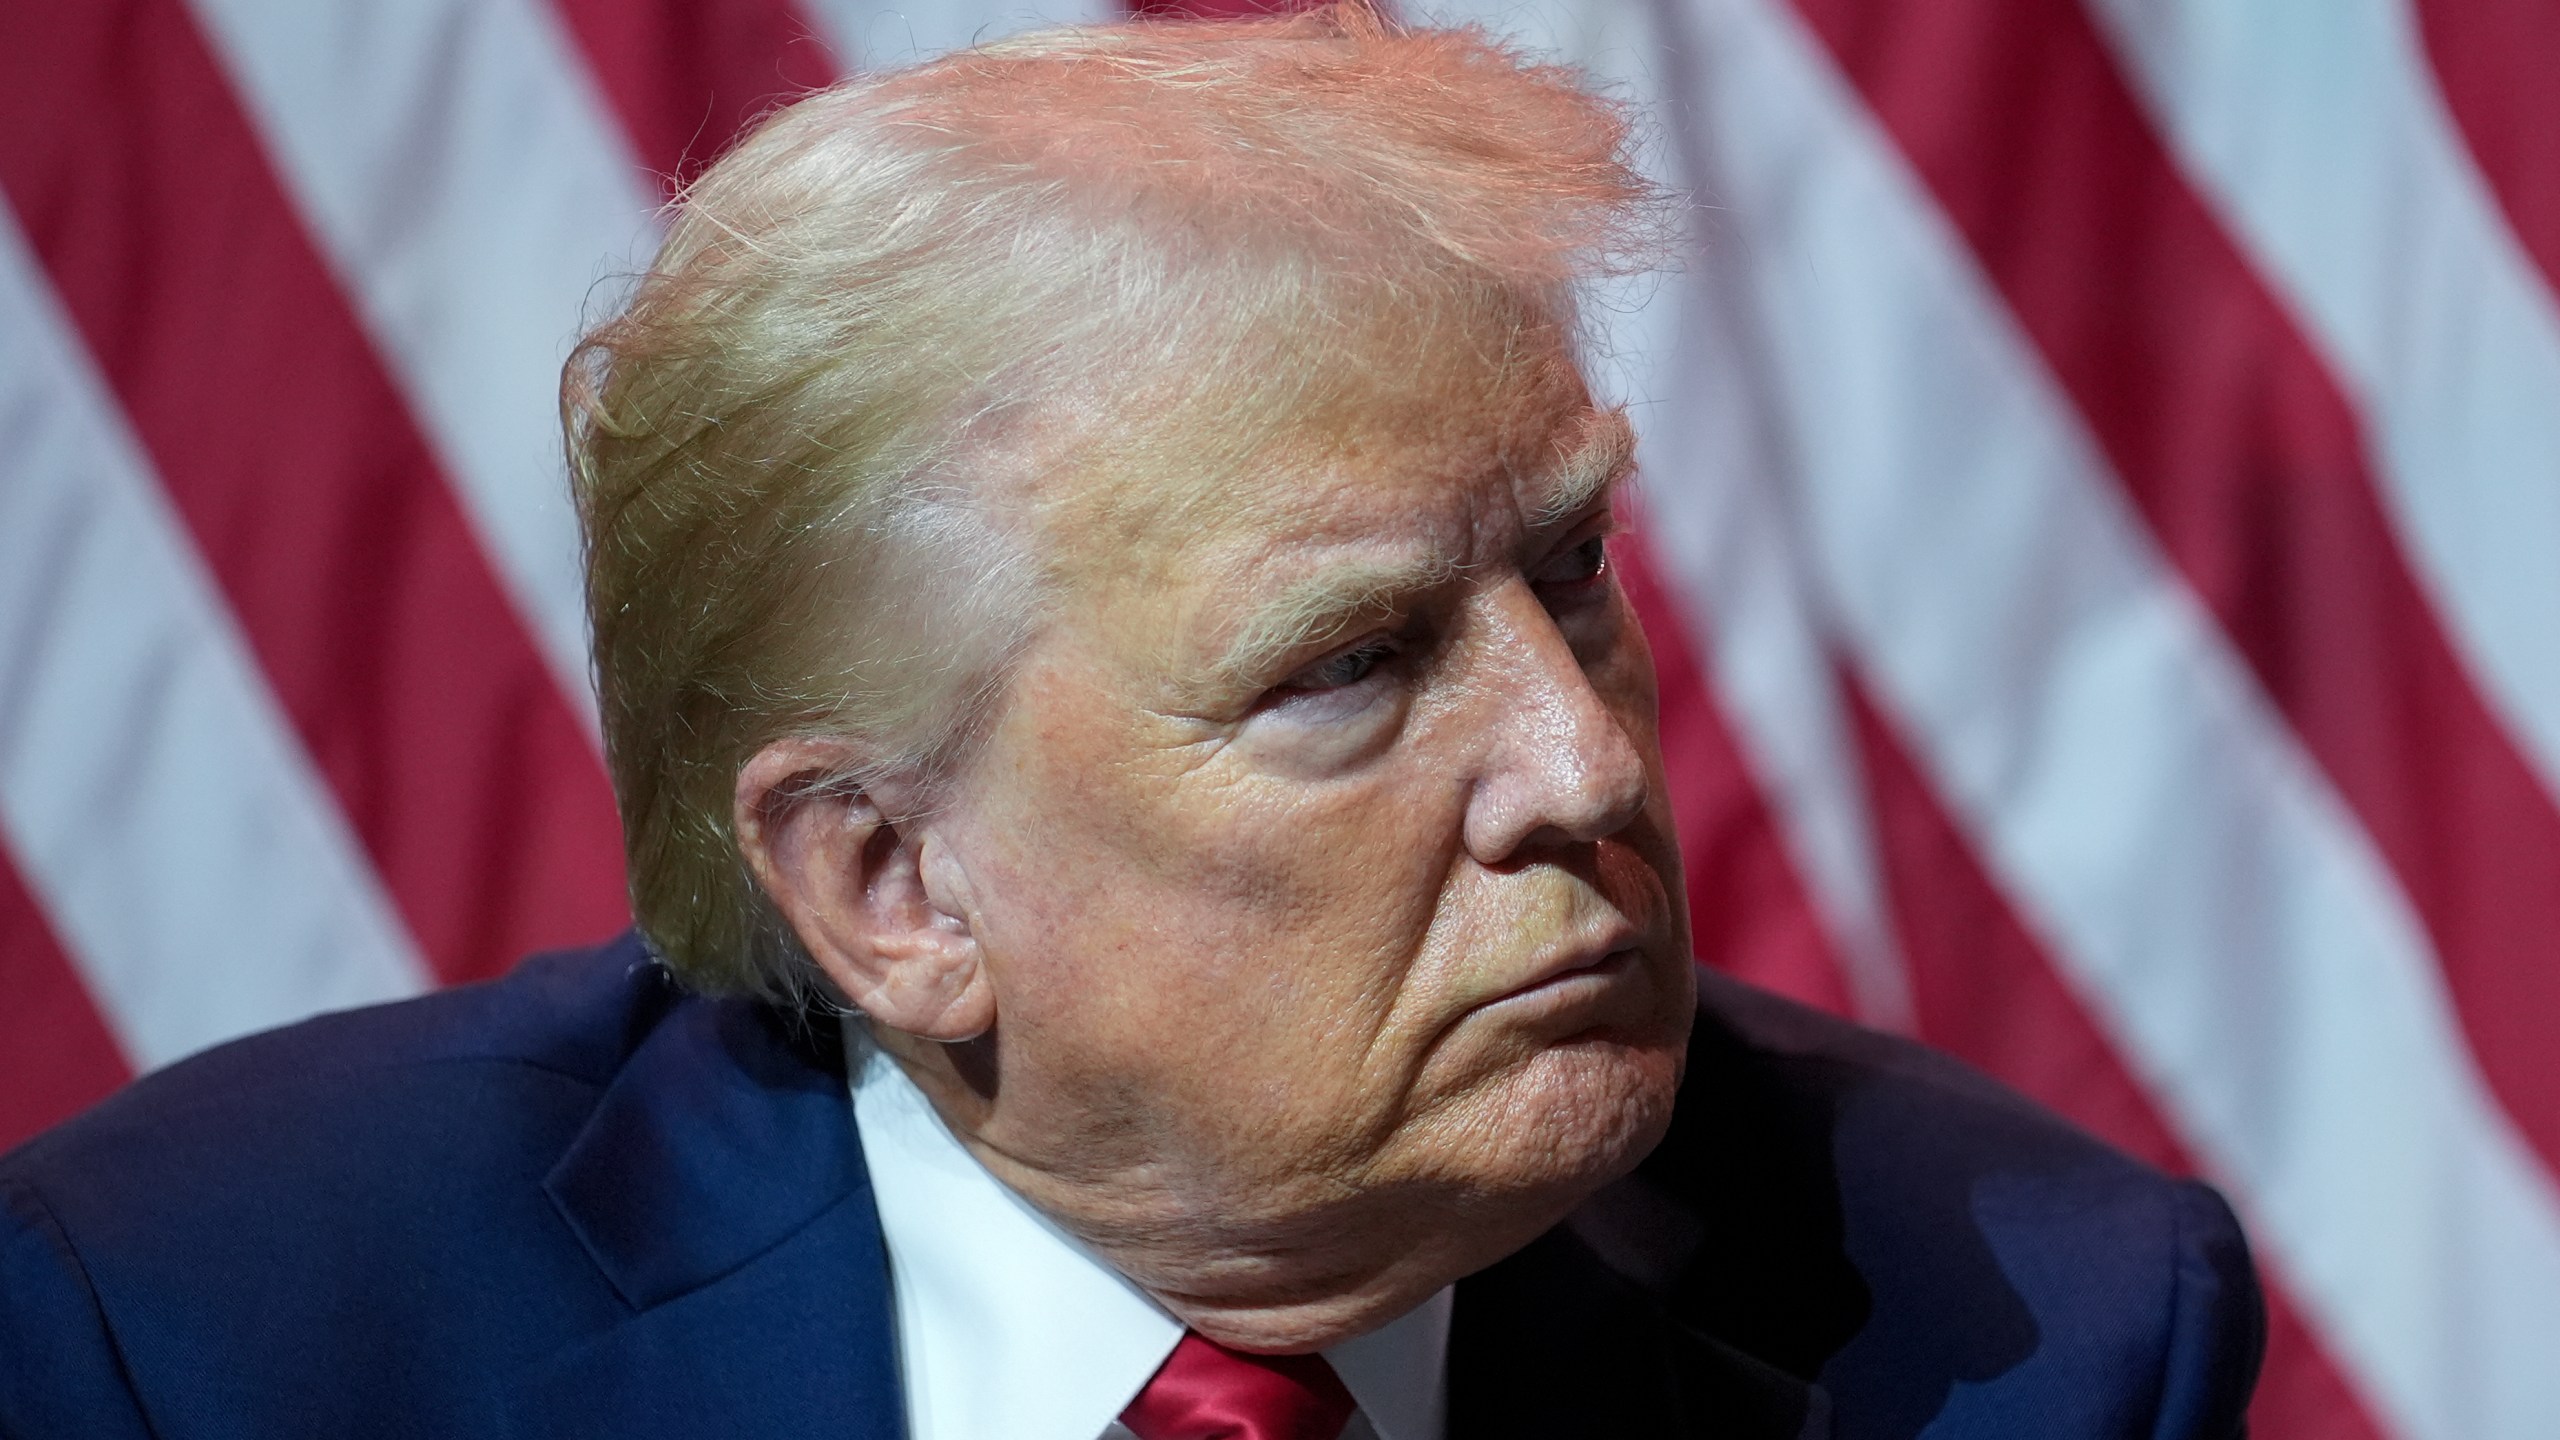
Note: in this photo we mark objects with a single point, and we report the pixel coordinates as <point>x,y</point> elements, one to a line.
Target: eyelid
<point>1601,522</point>
<point>1384,639</point>
<point>1601,526</point>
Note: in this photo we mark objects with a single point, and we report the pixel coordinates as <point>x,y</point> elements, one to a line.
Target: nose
<point>1560,766</point>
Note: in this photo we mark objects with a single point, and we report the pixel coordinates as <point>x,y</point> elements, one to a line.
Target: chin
<point>1571,1118</point>
<point>1593,1094</point>
<point>1501,1167</point>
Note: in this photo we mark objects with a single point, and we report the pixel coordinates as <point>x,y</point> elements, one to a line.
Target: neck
<point>1262,1261</point>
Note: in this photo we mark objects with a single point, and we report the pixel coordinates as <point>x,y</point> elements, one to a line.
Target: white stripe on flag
<point>2203,886</point>
<point>2320,135</point>
<point>460,170</point>
<point>197,870</point>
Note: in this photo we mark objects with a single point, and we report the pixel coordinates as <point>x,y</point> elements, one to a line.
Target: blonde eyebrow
<point>1323,607</point>
<point>1326,605</point>
<point>1599,460</point>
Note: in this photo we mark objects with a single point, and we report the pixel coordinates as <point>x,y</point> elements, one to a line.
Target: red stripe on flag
<point>2244,456</point>
<point>1749,911</point>
<point>56,1055</point>
<point>1981,986</point>
<point>2496,60</point>
<point>1984,988</point>
<point>687,77</point>
<point>305,482</point>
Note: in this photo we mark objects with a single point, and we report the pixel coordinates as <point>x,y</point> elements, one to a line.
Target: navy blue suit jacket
<point>581,1202</point>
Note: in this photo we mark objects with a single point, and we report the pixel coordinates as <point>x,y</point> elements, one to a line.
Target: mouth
<point>1588,968</point>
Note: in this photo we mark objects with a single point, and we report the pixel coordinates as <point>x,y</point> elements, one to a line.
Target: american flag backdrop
<point>2101,541</point>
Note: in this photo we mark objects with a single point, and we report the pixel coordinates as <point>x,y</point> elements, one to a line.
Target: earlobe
<point>853,886</point>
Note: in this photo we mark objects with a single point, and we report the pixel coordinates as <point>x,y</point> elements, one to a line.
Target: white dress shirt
<point>1009,1329</point>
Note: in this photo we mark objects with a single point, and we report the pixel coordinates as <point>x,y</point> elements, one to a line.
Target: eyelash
<point>1598,548</point>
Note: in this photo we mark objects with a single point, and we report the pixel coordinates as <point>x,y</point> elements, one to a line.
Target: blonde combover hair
<point>907,297</point>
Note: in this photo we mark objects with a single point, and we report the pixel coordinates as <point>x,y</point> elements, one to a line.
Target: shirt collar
<point>1396,1371</point>
<point>1010,1329</point>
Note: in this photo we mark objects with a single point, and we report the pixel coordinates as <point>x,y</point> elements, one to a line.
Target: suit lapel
<point>1550,1345</point>
<point>720,1189</point>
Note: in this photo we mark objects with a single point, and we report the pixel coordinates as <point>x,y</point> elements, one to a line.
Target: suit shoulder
<point>1867,1212</point>
<point>1885,1122</point>
<point>1760,1063</point>
<point>364,1179</point>
<point>376,1112</point>
<point>574,1014</point>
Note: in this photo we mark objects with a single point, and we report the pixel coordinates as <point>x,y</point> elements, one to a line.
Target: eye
<point>1344,668</point>
<point>1577,566</point>
<point>1336,713</point>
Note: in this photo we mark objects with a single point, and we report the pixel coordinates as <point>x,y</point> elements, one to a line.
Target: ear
<point>880,908</point>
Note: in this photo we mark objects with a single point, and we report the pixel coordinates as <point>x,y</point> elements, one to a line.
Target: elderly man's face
<point>1321,853</point>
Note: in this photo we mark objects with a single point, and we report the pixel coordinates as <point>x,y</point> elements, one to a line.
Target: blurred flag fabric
<point>2101,539</point>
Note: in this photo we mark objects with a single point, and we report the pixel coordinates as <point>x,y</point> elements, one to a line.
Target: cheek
<point>1253,915</point>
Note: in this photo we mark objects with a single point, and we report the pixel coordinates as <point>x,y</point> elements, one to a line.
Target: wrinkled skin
<point>1301,986</point>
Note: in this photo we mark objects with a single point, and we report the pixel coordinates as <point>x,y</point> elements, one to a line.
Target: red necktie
<point>1209,1392</point>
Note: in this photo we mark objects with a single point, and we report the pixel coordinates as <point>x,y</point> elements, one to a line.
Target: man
<point>1098,553</point>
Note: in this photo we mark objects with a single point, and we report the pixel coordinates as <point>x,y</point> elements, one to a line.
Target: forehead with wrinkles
<point>1283,450</point>
<point>1229,554</point>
